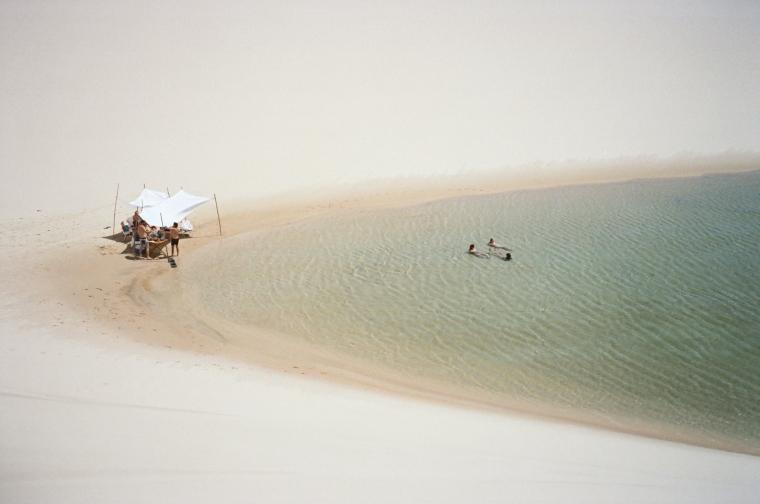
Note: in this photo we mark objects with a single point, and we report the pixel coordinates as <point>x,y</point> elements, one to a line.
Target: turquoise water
<point>634,303</point>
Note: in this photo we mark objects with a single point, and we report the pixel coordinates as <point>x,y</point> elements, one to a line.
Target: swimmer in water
<point>494,245</point>
<point>475,252</point>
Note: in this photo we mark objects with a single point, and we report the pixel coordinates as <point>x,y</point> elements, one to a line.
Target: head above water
<point>472,247</point>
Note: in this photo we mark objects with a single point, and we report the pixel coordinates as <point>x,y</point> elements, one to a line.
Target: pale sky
<point>254,98</point>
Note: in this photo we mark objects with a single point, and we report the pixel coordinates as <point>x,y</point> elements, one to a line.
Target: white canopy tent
<point>173,209</point>
<point>149,198</point>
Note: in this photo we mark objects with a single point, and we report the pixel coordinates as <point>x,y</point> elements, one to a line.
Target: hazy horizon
<point>259,98</point>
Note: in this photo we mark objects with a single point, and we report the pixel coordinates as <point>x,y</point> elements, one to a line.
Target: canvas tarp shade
<point>172,209</point>
<point>148,198</point>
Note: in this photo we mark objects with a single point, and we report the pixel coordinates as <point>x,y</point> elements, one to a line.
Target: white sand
<point>88,413</point>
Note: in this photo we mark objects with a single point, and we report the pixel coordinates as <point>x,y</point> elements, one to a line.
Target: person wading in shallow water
<point>494,245</point>
<point>174,237</point>
<point>472,250</point>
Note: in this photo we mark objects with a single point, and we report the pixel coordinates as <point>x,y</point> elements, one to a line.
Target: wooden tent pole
<point>218,219</point>
<point>113,227</point>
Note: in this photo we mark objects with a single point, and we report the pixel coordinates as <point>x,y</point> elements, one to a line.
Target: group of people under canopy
<point>159,219</point>
<point>493,246</point>
<point>144,237</point>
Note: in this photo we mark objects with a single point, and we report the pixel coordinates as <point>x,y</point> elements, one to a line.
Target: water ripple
<point>636,300</point>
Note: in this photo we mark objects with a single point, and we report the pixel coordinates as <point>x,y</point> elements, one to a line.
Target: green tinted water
<point>638,300</point>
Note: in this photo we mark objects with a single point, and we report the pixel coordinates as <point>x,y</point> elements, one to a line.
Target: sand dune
<point>132,425</point>
<point>103,400</point>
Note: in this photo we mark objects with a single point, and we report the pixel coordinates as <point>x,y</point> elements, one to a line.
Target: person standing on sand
<point>136,219</point>
<point>174,236</point>
<point>142,235</point>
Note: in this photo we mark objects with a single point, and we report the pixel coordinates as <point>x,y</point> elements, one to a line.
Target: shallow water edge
<point>251,343</point>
